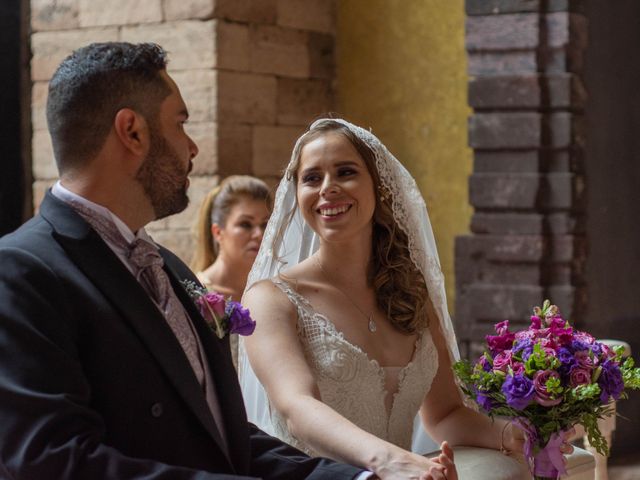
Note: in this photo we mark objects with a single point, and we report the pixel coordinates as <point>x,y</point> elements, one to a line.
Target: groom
<point>107,370</point>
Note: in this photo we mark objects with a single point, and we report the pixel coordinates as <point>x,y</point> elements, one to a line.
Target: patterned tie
<point>147,265</point>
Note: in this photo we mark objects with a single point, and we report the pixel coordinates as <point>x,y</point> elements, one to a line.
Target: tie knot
<point>142,254</point>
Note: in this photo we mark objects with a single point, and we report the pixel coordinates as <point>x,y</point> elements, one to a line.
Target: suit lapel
<point>103,268</point>
<point>220,365</point>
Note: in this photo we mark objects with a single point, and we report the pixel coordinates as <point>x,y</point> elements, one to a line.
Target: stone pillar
<point>253,73</point>
<point>527,187</point>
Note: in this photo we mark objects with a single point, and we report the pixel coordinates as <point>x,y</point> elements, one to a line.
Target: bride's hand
<point>446,460</point>
<point>512,439</point>
<point>409,466</point>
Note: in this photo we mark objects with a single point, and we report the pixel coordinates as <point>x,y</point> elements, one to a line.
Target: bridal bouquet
<point>222,316</point>
<point>548,378</point>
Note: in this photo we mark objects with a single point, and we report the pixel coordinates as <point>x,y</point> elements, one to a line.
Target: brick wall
<point>253,73</point>
<point>527,187</point>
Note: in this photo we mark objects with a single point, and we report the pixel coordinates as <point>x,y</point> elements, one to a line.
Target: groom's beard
<point>163,179</point>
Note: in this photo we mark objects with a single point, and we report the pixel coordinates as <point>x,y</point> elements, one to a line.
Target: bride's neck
<point>346,262</point>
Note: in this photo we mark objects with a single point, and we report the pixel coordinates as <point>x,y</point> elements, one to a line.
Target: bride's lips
<point>332,211</point>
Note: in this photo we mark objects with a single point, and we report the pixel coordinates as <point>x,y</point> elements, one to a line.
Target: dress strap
<point>301,303</point>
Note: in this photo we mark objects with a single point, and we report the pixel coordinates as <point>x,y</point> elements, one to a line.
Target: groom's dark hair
<point>91,85</point>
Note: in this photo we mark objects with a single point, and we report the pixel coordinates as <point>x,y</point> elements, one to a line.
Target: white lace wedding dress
<point>381,400</point>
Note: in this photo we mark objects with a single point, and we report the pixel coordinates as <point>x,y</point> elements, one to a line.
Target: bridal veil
<point>288,240</point>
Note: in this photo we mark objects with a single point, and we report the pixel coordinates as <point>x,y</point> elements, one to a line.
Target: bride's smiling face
<point>335,191</point>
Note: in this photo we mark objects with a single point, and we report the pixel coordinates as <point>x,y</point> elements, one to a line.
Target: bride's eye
<point>345,172</point>
<point>310,178</point>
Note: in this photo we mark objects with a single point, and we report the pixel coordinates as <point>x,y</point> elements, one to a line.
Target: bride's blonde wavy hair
<point>399,285</point>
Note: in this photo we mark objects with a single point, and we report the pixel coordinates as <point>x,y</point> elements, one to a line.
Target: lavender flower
<point>567,360</point>
<point>518,390</point>
<point>524,345</point>
<point>240,320</point>
<point>484,401</point>
<point>579,345</point>
<point>610,381</point>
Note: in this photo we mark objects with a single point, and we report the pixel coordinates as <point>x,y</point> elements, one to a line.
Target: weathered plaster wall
<point>401,69</point>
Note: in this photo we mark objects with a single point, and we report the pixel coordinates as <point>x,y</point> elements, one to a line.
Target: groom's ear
<point>132,131</point>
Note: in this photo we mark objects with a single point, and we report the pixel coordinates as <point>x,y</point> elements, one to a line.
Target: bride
<point>353,336</point>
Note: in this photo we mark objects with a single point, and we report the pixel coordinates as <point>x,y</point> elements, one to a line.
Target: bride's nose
<point>328,186</point>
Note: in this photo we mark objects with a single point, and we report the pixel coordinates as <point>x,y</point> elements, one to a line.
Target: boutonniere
<point>222,316</point>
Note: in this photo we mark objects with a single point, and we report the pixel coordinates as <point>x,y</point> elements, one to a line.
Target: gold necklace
<point>371,324</point>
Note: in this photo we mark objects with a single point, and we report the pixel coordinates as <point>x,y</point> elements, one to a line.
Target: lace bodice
<point>353,384</point>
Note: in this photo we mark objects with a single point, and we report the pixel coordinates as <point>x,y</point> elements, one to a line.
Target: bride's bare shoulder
<point>268,296</point>
<point>298,278</point>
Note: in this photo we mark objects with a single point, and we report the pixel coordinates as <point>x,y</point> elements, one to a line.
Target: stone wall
<point>527,187</point>
<point>253,73</point>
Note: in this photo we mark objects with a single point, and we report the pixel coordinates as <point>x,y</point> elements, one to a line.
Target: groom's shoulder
<point>28,236</point>
<point>30,253</point>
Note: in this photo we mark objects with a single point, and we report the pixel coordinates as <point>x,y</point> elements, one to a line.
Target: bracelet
<point>504,449</point>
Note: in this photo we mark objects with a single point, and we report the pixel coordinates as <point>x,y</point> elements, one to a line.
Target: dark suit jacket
<point>93,383</point>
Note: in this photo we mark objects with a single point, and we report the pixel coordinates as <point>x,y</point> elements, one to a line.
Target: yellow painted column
<point>401,70</point>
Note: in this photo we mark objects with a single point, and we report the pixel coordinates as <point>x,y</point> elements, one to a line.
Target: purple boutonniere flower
<point>240,321</point>
<point>222,316</point>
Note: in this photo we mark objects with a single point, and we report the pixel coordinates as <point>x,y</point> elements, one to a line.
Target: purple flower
<point>484,363</point>
<point>598,350</point>
<point>578,345</point>
<point>585,360</point>
<point>502,327</point>
<point>502,361</point>
<point>240,320</point>
<point>517,367</point>
<point>565,356</point>
<point>518,390</point>
<point>579,375</point>
<point>610,381</point>
<point>215,303</point>
<point>536,323</point>
<point>567,360</point>
<point>562,333</point>
<point>498,343</point>
<point>484,401</point>
<point>524,345</point>
<point>584,337</point>
<point>542,395</point>
<point>502,341</point>
<point>606,352</point>
<point>212,307</point>
<point>555,322</point>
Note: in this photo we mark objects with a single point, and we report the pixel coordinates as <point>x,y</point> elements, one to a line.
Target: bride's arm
<point>445,416</point>
<point>278,360</point>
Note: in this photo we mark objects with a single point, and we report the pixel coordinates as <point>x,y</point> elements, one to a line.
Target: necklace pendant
<point>372,325</point>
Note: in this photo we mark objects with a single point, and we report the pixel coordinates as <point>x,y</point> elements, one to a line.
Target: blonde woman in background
<point>230,226</point>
